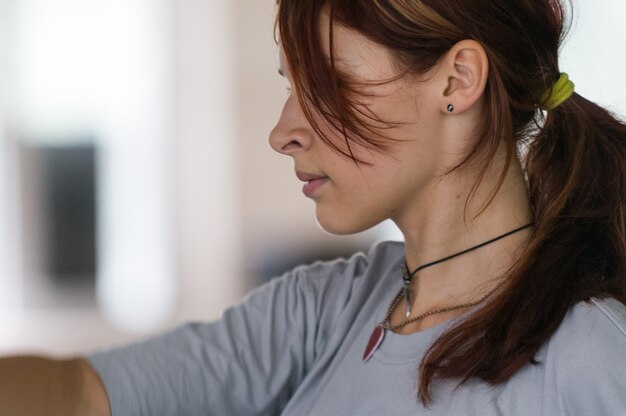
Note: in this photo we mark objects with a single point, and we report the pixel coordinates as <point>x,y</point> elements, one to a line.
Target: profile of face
<point>351,197</point>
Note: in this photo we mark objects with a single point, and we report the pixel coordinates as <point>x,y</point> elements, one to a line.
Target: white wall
<point>207,179</point>
<point>10,283</point>
<point>594,55</point>
<point>104,68</point>
<point>136,277</point>
<point>169,248</point>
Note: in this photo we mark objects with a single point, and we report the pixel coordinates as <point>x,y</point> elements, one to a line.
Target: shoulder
<point>378,258</point>
<point>334,281</point>
<point>591,327</point>
<point>586,358</point>
<point>380,254</point>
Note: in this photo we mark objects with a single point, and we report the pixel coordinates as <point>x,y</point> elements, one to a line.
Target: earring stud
<point>450,108</point>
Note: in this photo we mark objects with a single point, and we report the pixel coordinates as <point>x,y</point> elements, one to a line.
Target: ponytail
<point>577,182</point>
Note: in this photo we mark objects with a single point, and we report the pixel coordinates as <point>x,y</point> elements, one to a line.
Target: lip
<point>313,182</point>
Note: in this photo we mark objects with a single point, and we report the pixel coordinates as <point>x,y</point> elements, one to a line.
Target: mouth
<point>313,182</point>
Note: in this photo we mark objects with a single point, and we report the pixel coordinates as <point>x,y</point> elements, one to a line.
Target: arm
<point>249,362</point>
<point>36,385</point>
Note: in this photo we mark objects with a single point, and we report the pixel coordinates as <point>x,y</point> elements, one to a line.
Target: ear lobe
<point>467,70</point>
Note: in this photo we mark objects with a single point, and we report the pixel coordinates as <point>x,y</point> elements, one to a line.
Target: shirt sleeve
<point>247,363</point>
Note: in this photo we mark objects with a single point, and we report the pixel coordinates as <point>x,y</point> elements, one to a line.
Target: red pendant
<point>375,340</point>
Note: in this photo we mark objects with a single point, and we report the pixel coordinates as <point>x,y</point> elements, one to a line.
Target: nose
<point>292,132</point>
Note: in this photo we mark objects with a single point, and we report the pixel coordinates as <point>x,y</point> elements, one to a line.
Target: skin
<point>411,184</point>
<point>43,386</point>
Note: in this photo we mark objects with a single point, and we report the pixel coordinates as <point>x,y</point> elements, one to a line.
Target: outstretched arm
<point>37,386</point>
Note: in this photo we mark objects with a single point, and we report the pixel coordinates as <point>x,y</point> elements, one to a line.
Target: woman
<point>452,119</point>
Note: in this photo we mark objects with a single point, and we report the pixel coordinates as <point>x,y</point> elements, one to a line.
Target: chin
<point>346,224</point>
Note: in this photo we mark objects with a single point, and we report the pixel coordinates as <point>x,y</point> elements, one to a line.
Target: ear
<point>466,69</point>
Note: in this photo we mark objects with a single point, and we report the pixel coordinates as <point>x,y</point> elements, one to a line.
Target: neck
<point>446,224</point>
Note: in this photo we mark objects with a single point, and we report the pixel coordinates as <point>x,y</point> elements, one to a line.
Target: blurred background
<point>137,188</point>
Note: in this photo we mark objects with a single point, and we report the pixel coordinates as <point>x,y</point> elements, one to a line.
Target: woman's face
<point>352,197</point>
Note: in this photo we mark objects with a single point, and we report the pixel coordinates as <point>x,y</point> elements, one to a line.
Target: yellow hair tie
<point>560,92</point>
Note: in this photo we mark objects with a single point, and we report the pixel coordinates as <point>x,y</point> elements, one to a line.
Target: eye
<point>285,78</point>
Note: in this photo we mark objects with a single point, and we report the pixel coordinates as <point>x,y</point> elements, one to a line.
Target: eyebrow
<point>280,72</point>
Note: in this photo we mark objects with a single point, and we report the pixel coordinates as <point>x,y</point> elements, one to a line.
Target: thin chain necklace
<point>378,334</point>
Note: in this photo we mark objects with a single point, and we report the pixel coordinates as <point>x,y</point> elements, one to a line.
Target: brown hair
<point>575,161</point>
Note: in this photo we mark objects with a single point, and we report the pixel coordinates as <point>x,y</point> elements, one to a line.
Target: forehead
<point>353,53</point>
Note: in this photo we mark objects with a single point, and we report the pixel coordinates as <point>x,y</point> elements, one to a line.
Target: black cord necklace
<point>408,275</point>
<point>379,331</point>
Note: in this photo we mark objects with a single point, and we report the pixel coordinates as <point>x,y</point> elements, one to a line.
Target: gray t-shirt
<point>295,346</point>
